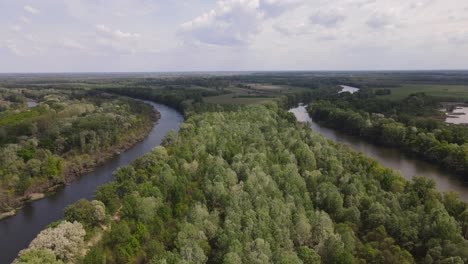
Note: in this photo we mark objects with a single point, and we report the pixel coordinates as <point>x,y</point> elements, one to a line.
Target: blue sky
<point>210,35</point>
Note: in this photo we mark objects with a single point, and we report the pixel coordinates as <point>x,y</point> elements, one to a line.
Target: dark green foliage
<point>381,92</point>
<point>95,256</point>
<point>308,255</point>
<point>107,194</point>
<point>85,212</point>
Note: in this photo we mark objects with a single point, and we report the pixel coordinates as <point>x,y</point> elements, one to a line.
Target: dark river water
<point>390,157</point>
<point>17,232</point>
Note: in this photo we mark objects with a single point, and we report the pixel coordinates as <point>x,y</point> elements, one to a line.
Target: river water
<point>349,89</point>
<point>17,232</point>
<point>390,157</point>
<point>458,116</point>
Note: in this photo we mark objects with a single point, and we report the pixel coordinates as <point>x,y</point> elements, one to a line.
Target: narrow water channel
<point>17,232</point>
<point>390,157</point>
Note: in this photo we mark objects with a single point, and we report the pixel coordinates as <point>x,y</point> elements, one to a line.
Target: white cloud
<point>421,4</point>
<point>273,8</point>
<point>115,33</point>
<point>327,19</point>
<point>13,48</point>
<point>234,22</point>
<point>16,28</point>
<point>458,37</point>
<point>31,10</point>
<point>25,19</point>
<point>231,23</point>
<point>71,44</point>
<point>380,21</point>
<point>233,34</point>
<point>297,29</point>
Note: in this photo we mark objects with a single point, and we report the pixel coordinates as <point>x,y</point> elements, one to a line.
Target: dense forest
<point>251,185</point>
<point>49,136</point>
<point>412,125</point>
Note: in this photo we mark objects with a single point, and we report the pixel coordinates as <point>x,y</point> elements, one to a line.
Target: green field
<point>252,94</point>
<point>457,92</point>
<point>236,99</point>
<point>14,118</point>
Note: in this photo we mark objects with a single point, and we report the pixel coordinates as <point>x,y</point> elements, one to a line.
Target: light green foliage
<point>64,241</point>
<point>37,256</point>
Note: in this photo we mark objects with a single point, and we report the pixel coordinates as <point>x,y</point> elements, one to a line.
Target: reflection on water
<point>390,157</point>
<point>349,89</point>
<point>458,116</point>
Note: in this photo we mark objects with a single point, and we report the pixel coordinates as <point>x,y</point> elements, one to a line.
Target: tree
<point>95,256</point>
<point>308,255</point>
<point>37,256</point>
<point>52,167</point>
<point>89,213</point>
<point>65,241</point>
<point>107,194</point>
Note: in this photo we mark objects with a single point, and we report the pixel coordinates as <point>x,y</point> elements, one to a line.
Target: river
<point>458,116</point>
<point>17,232</point>
<point>390,157</point>
<point>349,89</point>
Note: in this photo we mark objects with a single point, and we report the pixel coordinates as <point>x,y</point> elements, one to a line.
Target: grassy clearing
<point>459,92</point>
<point>12,118</point>
<point>254,94</point>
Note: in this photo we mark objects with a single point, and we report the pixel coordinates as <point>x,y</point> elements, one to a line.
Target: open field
<point>236,99</point>
<point>458,92</point>
<point>252,94</point>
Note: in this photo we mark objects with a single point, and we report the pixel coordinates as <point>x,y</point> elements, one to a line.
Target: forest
<point>247,183</point>
<point>50,136</point>
<point>251,185</point>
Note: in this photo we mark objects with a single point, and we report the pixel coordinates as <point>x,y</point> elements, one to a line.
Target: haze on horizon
<point>232,35</point>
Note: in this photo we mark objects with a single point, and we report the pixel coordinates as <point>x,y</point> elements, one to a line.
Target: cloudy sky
<point>207,35</point>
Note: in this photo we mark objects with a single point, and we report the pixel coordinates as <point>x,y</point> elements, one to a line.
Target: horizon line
<point>235,71</point>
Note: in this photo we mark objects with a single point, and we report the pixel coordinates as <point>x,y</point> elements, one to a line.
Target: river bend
<point>390,157</point>
<point>16,232</point>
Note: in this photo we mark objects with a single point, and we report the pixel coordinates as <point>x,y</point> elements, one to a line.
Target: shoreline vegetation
<point>428,139</point>
<point>75,164</point>
<point>73,173</point>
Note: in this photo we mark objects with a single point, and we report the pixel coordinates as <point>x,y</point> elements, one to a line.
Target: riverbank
<point>77,166</point>
<point>18,231</point>
<point>390,157</point>
<point>455,113</point>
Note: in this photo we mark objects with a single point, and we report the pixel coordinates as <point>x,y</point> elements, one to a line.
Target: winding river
<point>390,157</point>
<point>16,232</point>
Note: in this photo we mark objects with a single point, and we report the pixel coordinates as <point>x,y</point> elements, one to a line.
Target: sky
<point>232,35</point>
